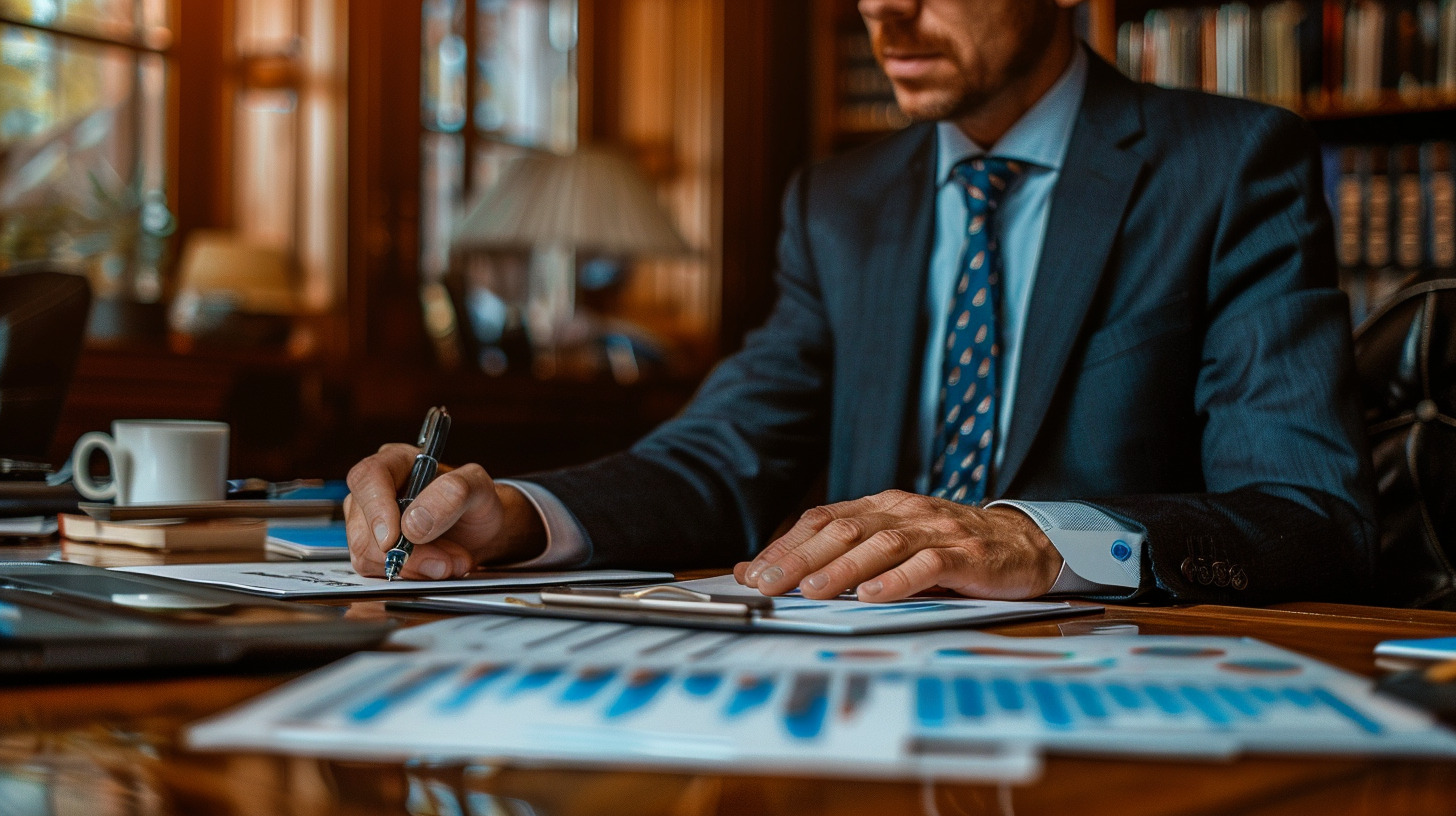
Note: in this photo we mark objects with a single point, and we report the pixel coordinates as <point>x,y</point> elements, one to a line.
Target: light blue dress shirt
<point>1101,555</point>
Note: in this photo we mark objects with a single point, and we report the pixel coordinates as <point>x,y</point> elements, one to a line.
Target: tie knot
<point>985,180</point>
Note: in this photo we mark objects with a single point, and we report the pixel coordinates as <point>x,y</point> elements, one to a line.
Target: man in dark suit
<point>1105,306</point>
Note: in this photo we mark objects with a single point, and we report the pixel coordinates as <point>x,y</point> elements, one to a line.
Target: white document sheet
<point>336,580</point>
<point>962,705</point>
<point>795,613</point>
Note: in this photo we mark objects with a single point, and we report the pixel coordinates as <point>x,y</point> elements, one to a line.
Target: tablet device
<point>58,618</point>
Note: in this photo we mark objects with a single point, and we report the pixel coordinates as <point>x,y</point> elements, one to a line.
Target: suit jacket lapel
<point>1087,207</point>
<point>889,302</point>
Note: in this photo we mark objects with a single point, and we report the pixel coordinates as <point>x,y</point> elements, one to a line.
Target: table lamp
<point>233,291</point>
<point>592,201</point>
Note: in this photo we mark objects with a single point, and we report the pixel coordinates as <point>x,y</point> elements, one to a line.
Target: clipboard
<point>720,604</point>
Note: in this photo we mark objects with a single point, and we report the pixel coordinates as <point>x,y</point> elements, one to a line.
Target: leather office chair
<point>1406,357</point>
<point>42,322</point>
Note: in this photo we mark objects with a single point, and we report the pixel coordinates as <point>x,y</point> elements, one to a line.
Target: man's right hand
<point>462,519</point>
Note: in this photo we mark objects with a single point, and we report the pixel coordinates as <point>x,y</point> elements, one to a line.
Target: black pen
<point>432,441</point>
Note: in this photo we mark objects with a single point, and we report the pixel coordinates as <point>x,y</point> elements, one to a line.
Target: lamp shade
<point>257,278</point>
<point>590,201</point>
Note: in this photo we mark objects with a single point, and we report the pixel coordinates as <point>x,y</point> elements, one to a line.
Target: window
<point>497,77</point>
<point>83,89</point>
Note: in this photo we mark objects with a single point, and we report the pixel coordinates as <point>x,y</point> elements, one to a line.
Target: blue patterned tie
<point>967,440</point>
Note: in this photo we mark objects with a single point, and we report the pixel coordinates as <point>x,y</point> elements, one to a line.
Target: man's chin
<point>933,106</point>
<point>928,104</point>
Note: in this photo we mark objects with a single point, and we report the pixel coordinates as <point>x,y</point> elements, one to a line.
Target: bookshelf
<point>1376,79</point>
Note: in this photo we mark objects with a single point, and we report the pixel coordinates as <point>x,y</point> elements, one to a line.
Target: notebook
<point>326,542</point>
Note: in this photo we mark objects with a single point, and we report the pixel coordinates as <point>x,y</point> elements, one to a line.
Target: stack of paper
<point>285,580</point>
<point>791,613</point>
<point>949,705</point>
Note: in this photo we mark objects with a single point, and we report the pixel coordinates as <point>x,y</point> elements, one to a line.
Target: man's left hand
<point>894,544</point>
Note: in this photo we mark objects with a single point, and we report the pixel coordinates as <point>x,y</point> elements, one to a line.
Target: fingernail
<point>817,580</point>
<point>433,568</point>
<point>418,520</point>
<point>871,588</point>
<point>753,573</point>
<point>771,575</point>
<point>381,533</point>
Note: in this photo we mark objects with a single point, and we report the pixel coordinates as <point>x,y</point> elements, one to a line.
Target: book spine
<point>1428,23</point>
<point>1349,209</point>
<point>1409,208</point>
<point>1402,62</point>
<point>1333,77</point>
<point>1446,48</point>
<point>1310,36</point>
<point>1377,204</point>
<point>1439,180</point>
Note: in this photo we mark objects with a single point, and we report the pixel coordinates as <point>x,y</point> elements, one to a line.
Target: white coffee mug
<point>156,461</point>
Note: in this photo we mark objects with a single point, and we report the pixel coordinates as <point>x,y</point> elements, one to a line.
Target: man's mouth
<point>903,64</point>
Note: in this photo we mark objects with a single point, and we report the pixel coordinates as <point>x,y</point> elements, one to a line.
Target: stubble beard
<point>967,97</point>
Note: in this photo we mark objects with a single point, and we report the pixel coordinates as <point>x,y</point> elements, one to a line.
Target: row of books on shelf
<point>1306,54</point>
<point>866,99</point>
<point>1394,209</point>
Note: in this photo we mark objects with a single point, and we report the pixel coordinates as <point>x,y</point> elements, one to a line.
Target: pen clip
<point>680,593</point>
<point>429,424</point>
<point>661,599</point>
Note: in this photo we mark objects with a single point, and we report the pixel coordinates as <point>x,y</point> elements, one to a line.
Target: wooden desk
<point>113,748</point>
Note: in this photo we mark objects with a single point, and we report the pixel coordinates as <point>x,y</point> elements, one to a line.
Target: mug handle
<point>81,466</point>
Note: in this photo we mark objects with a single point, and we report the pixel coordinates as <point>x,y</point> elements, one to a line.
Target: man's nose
<point>881,10</point>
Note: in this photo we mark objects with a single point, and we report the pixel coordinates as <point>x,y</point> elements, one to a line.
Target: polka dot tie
<point>967,439</point>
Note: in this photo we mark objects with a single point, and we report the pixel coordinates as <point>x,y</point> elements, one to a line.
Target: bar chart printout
<point>968,705</point>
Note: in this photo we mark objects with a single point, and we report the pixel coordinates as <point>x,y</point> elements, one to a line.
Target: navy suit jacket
<point>1186,366</point>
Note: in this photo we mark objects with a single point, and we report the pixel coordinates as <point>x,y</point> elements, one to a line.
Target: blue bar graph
<point>702,684</point>
<point>930,701</point>
<point>1049,702</point>
<point>639,691</point>
<point>533,680</point>
<point>1351,713</point>
<point>586,684</point>
<point>1088,700</point>
<point>478,680</point>
<point>807,706</point>
<point>1205,705</point>
<point>400,692</point>
<point>1008,696</point>
<point>753,691</point>
<point>970,697</point>
<point>1124,696</point>
<point>1165,700</point>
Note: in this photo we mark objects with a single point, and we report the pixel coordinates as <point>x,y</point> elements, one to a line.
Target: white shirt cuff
<point>1101,555</point>
<point>567,546</point>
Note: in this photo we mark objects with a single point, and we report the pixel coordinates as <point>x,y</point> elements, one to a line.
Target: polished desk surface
<point>103,748</point>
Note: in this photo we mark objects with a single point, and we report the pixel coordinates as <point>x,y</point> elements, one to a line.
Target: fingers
<point>371,513</point>
<point>893,545</point>
<point>882,551</point>
<point>452,522</point>
<point>465,491</point>
<point>433,561</point>
<point>927,568</point>
<point>808,526</point>
<point>436,560</point>
<point>839,539</point>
